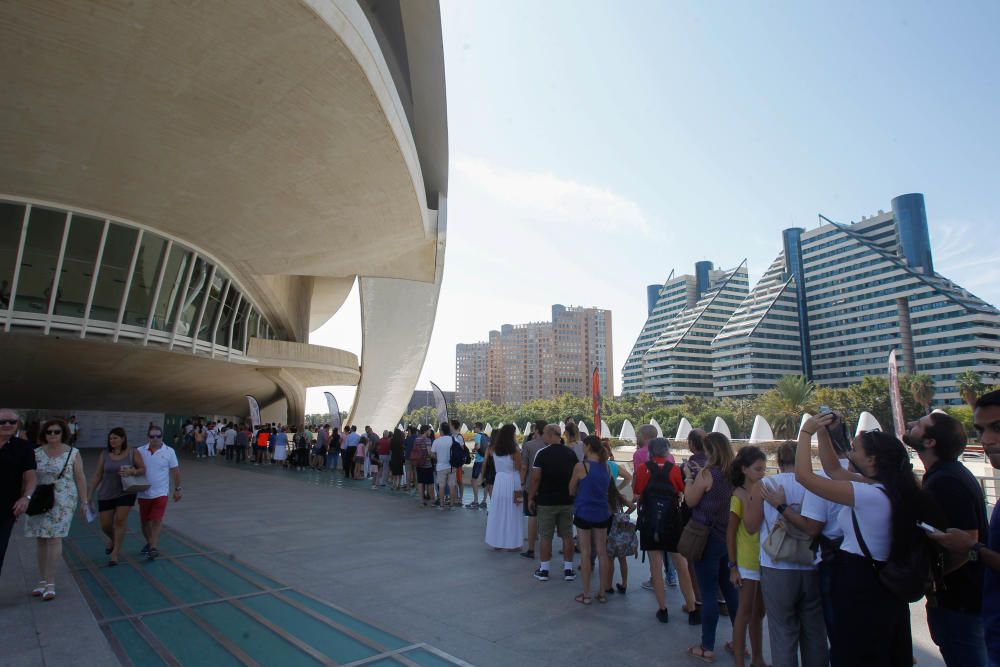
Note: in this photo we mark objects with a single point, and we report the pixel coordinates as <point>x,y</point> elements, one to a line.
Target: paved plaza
<point>263,566</point>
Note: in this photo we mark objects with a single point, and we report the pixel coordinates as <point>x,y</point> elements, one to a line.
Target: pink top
<point>642,455</point>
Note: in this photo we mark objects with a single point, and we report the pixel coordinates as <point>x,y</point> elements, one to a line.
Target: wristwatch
<point>732,565</point>
<point>974,551</point>
<point>29,498</point>
<point>177,488</point>
<point>781,508</point>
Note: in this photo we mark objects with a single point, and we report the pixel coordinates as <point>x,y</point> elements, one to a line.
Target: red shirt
<point>642,477</point>
<point>382,447</point>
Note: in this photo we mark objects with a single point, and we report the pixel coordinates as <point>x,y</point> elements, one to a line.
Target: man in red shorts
<point>161,467</point>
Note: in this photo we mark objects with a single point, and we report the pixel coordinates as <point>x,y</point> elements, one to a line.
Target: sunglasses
<point>54,431</point>
<point>155,436</point>
<point>8,422</point>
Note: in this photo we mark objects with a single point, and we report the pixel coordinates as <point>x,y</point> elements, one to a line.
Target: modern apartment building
<point>471,362</point>
<point>523,362</point>
<point>835,302</point>
<point>672,356</point>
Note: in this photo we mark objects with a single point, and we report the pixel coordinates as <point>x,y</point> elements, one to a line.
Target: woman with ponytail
<point>882,506</point>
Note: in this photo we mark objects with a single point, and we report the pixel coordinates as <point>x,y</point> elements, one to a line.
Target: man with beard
<point>961,543</point>
<point>954,609</point>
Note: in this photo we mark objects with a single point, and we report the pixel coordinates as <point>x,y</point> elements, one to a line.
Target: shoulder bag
<point>44,497</point>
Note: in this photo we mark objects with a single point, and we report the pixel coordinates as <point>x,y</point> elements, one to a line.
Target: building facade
<point>837,300</point>
<point>538,360</point>
<point>175,222</point>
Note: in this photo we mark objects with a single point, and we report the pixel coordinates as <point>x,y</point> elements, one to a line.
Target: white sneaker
<point>648,584</point>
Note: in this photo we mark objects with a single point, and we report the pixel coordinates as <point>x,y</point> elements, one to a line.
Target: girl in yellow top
<point>747,470</point>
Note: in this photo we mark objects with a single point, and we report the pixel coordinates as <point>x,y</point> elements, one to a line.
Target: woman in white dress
<point>59,464</point>
<point>504,523</point>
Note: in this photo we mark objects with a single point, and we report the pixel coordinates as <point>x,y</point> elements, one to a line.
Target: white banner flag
<point>254,410</point>
<point>331,404</point>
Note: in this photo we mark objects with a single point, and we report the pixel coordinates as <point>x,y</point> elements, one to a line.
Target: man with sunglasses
<point>17,476</point>
<point>161,468</point>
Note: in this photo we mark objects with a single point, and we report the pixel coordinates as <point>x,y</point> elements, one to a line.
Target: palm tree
<point>783,406</point>
<point>922,390</point>
<point>970,386</point>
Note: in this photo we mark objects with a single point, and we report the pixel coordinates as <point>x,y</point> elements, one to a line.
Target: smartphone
<point>825,410</point>
<point>927,527</point>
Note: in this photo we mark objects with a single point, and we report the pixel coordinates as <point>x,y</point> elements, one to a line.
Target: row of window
<point>69,270</point>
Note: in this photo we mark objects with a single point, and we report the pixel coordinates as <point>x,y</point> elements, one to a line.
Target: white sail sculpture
<point>583,428</point>
<point>720,426</point>
<point>655,424</point>
<point>805,416</point>
<point>488,429</point>
<point>761,431</point>
<point>562,427</point>
<point>527,428</point>
<point>465,428</point>
<point>628,432</point>
<point>867,422</point>
<point>683,428</point>
<point>517,431</point>
<point>606,430</point>
<point>400,427</point>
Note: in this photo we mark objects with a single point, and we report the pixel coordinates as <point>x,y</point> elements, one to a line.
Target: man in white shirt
<point>211,437</point>
<point>229,441</point>
<point>791,589</point>
<point>161,468</point>
<point>444,476</point>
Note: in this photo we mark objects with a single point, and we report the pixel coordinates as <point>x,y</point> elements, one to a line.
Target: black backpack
<point>659,507</point>
<point>458,453</point>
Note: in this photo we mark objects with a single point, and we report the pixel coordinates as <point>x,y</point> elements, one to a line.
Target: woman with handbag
<point>62,485</point>
<point>704,538</point>
<point>114,501</point>
<point>883,504</point>
<point>504,525</point>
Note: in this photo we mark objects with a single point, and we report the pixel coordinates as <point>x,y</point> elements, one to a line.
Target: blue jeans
<point>712,572</point>
<point>959,635</point>
<point>332,460</point>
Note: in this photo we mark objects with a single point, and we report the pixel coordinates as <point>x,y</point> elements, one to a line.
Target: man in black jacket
<point>954,611</point>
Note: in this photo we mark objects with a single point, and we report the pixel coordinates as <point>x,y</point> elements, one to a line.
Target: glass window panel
<point>173,281</point>
<point>78,265</point>
<point>189,302</point>
<point>252,322</point>
<point>147,270</point>
<point>242,325</point>
<point>11,216</point>
<point>113,273</point>
<point>222,331</point>
<point>38,265</point>
<point>212,307</point>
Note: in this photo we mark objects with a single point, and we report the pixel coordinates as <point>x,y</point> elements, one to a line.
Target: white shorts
<point>753,575</point>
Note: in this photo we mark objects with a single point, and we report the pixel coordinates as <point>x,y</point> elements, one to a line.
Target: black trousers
<point>348,459</point>
<point>241,453</point>
<point>873,626</point>
<point>6,528</point>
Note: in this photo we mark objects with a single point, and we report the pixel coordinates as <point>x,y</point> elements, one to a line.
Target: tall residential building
<point>471,374</point>
<point>840,297</point>
<point>672,356</point>
<point>523,362</point>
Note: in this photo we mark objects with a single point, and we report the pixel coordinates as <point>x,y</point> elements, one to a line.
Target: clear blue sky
<point>595,146</point>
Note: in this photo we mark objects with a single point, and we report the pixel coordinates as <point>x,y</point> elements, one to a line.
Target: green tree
<point>871,395</point>
<point>783,406</point>
<point>921,389</point>
<point>425,415</point>
<point>962,413</point>
<point>970,386</point>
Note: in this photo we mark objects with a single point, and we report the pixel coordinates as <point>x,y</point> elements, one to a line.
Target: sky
<point>596,146</point>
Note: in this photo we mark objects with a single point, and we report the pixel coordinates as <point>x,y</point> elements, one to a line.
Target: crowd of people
<point>830,558</point>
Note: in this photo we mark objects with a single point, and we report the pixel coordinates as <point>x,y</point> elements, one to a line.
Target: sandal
<point>40,590</point>
<point>582,598</point>
<point>621,589</point>
<point>50,592</point>
<point>602,598</point>
<point>698,651</point>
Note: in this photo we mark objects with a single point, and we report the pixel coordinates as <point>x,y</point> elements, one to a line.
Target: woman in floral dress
<point>50,527</point>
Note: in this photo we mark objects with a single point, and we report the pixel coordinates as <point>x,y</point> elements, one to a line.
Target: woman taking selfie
<point>883,505</point>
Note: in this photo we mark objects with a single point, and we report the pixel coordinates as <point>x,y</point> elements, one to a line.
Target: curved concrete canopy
<point>264,129</point>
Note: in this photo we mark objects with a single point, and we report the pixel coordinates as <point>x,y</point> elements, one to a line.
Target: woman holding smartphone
<point>113,503</point>
<point>882,506</point>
